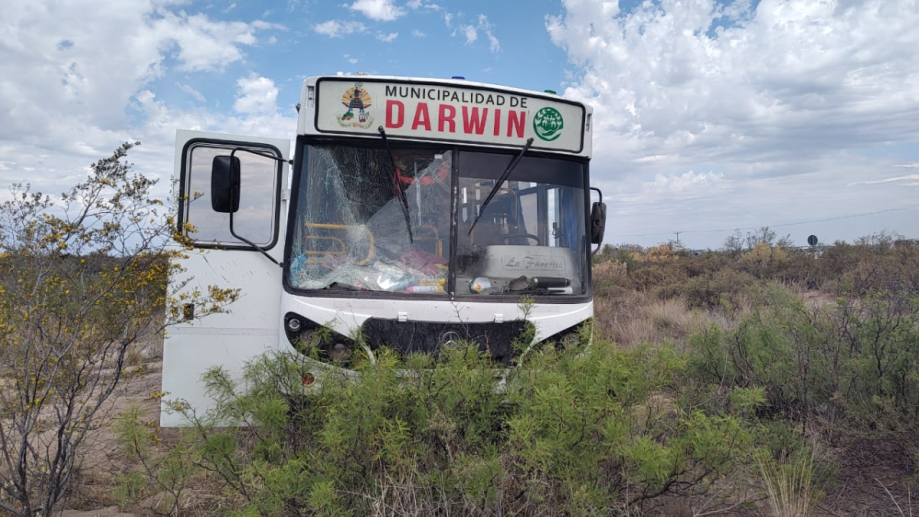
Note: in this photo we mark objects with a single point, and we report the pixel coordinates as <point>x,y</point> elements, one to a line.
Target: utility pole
<point>678,236</point>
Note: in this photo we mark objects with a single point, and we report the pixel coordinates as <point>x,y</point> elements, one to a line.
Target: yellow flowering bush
<point>83,280</point>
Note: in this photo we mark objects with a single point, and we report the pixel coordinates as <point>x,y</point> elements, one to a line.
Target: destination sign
<point>442,112</point>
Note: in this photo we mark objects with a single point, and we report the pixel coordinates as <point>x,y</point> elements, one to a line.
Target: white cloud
<point>379,10</point>
<point>337,29</point>
<point>448,20</point>
<point>488,29</point>
<point>75,84</point>
<point>908,165</point>
<point>418,4</point>
<point>387,38</point>
<point>471,34</point>
<point>203,44</point>
<point>198,96</point>
<point>262,24</point>
<point>257,95</point>
<point>805,66</point>
<point>418,34</point>
<point>52,67</point>
<point>774,96</point>
<point>908,177</point>
<point>685,182</point>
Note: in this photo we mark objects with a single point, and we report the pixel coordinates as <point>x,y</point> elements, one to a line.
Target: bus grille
<point>430,337</point>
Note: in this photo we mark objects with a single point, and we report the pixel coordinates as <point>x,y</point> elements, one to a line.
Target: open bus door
<point>224,179</point>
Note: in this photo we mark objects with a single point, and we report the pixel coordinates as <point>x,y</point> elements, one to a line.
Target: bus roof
<point>443,110</point>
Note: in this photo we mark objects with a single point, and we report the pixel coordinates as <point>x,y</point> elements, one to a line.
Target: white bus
<point>419,212</point>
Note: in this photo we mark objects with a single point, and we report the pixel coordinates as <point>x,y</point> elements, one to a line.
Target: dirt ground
<point>92,494</point>
<point>111,511</point>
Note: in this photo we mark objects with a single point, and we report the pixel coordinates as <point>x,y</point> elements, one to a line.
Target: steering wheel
<point>527,235</point>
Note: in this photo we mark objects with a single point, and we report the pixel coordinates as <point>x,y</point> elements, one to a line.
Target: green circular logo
<point>548,124</point>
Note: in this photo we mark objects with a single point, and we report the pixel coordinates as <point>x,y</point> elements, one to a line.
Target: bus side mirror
<point>597,222</point>
<point>225,184</point>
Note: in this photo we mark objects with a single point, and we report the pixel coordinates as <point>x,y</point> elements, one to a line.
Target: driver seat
<point>499,221</point>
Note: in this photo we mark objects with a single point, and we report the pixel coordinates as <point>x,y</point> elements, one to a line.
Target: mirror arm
<point>232,231</point>
<point>250,243</point>
<point>261,153</point>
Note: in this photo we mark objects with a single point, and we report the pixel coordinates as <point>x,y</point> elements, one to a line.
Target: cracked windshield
<point>355,214</point>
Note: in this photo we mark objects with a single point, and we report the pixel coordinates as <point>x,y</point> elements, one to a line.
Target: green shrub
<point>851,364</point>
<point>724,287</point>
<point>566,431</point>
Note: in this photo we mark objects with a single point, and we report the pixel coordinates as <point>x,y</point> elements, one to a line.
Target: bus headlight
<point>308,338</point>
<point>339,352</point>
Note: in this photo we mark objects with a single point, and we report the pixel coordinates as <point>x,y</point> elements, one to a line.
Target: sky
<point>801,115</point>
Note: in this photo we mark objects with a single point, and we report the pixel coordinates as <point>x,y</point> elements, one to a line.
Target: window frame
<point>185,183</point>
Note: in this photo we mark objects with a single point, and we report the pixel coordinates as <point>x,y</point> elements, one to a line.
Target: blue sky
<point>710,114</point>
<point>419,42</point>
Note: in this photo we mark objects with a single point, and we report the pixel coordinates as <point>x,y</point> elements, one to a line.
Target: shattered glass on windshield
<point>350,230</point>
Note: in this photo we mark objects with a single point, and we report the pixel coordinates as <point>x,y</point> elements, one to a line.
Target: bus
<point>414,213</point>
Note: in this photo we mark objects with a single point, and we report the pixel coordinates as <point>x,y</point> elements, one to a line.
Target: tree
<point>82,281</point>
<point>734,243</point>
<point>785,242</point>
<point>764,235</point>
<point>738,242</point>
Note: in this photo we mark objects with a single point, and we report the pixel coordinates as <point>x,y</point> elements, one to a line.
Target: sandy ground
<point>104,461</point>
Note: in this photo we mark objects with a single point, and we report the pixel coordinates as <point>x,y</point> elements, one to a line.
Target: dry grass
<point>629,317</point>
<point>789,485</point>
<point>609,273</point>
<point>633,318</point>
<point>908,503</point>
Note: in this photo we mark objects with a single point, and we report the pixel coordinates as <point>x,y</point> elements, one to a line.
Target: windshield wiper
<point>397,192</point>
<point>501,180</point>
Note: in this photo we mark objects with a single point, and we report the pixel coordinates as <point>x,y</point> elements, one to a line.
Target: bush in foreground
<point>579,431</point>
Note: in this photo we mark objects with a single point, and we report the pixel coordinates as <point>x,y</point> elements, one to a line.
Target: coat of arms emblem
<point>356,100</point>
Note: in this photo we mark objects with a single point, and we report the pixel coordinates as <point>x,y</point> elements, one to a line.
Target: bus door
<point>246,256</point>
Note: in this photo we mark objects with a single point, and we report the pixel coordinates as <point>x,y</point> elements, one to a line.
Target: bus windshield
<point>350,230</point>
<point>531,237</point>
